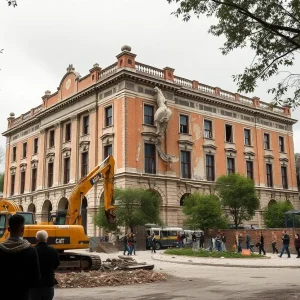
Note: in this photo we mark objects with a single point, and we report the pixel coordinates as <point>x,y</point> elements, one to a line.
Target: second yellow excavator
<point>65,230</point>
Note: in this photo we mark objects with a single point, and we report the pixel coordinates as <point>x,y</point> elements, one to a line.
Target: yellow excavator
<point>65,230</point>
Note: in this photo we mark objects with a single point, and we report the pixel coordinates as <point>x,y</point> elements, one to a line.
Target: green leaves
<point>134,207</point>
<point>203,212</point>
<point>270,28</point>
<point>238,195</point>
<point>274,216</point>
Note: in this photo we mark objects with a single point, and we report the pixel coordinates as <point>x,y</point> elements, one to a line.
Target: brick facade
<point>106,113</point>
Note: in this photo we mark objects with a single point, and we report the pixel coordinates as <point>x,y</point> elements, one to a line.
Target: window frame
<point>105,150</point>
<point>14,154</point>
<point>148,159</point>
<point>269,177</point>
<point>50,175</point>
<point>230,170</point>
<point>22,182</point>
<point>281,146</point>
<point>184,164</point>
<point>210,167</point>
<point>84,164</point>
<point>67,171</point>
<point>186,127</point>
<point>248,138</point>
<point>268,141</point>
<point>12,184</point>
<point>33,179</point>
<point>285,184</point>
<point>68,132</point>
<point>35,146</point>
<point>108,118</point>
<point>252,169</point>
<point>51,138</point>
<point>24,150</point>
<point>85,124</point>
<point>210,131</point>
<point>151,117</point>
<point>232,140</point>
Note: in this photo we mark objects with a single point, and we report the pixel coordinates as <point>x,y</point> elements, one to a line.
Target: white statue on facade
<point>161,119</point>
<point>163,113</point>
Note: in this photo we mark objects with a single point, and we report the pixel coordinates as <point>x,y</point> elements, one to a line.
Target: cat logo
<point>60,241</point>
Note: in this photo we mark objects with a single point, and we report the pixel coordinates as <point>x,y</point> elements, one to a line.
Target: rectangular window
<point>14,153</point>
<point>228,134</point>
<point>281,144</point>
<point>67,170</point>
<point>230,165</point>
<point>68,132</point>
<point>107,151</point>
<point>12,184</point>
<point>208,129</point>
<point>184,124</point>
<point>50,174</point>
<point>51,138</point>
<point>150,159</point>
<point>23,175</point>
<point>269,175</point>
<point>86,125</point>
<point>210,167</point>
<point>33,179</point>
<point>35,146</point>
<point>247,137</point>
<point>148,114</point>
<point>108,116</point>
<point>249,169</point>
<point>84,163</point>
<point>284,178</point>
<point>267,141</point>
<point>24,150</point>
<point>185,160</point>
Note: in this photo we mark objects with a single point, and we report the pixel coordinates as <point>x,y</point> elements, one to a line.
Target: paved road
<point>200,282</point>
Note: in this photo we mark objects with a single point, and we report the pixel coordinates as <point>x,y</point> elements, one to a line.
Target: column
<point>93,139</point>
<point>74,149</point>
<point>58,155</point>
<point>42,161</point>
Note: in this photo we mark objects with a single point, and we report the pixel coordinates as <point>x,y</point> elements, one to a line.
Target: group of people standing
<point>27,272</point>
<point>129,244</point>
<point>274,239</point>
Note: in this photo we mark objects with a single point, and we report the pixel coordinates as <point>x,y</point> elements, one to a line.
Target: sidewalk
<point>271,261</point>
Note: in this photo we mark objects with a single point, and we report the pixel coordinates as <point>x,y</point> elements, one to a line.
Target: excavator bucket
<point>110,217</point>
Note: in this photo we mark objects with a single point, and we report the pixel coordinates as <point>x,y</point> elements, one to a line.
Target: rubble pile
<point>97,279</point>
<point>123,263</point>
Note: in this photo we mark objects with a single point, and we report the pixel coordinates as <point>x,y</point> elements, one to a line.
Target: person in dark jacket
<point>261,244</point>
<point>20,268</point>
<point>153,243</point>
<point>285,244</point>
<point>49,262</point>
<point>297,244</point>
<point>201,240</point>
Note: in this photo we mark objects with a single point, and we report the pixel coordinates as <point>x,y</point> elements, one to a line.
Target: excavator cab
<point>59,218</point>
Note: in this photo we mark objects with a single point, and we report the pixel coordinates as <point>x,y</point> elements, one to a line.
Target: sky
<point>41,38</point>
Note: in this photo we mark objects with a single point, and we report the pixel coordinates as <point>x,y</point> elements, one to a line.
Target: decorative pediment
<point>186,144</point>
<point>66,151</point>
<point>249,153</point>
<point>84,146</point>
<point>34,163</point>
<point>23,167</point>
<point>13,170</point>
<point>269,158</point>
<point>50,157</point>
<point>50,151</point>
<point>150,136</point>
<point>283,161</point>
<point>107,138</point>
<point>230,150</point>
<point>209,148</point>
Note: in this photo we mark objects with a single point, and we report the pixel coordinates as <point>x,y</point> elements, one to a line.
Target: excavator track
<point>70,261</point>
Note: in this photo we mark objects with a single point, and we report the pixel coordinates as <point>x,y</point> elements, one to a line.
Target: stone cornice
<point>152,81</point>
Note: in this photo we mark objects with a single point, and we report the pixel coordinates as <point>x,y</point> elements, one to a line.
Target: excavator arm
<point>104,170</point>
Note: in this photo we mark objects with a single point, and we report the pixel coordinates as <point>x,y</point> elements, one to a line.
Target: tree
<point>134,207</point>
<point>238,194</point>
<point>1,182</point>
<point>270,28</point>
<point>274,216</point>
<point>203,212</point>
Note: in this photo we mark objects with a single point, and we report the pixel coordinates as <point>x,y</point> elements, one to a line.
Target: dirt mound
<point>97,279</point>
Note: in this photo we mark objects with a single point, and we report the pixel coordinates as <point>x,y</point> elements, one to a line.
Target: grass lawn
<point>205,253</point>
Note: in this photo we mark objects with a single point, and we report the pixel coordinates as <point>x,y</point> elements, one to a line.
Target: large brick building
<point>211,132</point>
